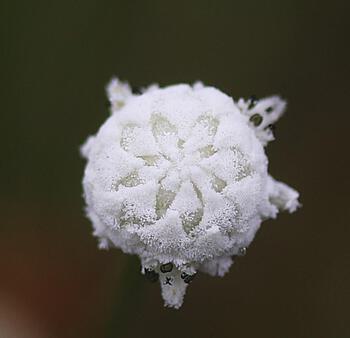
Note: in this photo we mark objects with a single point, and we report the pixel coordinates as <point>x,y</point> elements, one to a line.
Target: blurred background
<point>56,59</point>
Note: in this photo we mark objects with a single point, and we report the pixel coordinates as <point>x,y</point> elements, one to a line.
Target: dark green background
<point>56,59</point>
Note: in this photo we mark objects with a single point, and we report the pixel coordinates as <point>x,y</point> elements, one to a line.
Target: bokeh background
<point>56,59</point>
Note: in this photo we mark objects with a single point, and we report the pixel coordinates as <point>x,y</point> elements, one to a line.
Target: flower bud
<point>179,177</point>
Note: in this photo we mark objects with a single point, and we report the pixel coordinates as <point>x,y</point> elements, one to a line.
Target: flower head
<point>179,177</point>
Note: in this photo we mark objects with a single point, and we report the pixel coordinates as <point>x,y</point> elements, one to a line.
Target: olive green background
<point>56,59</point>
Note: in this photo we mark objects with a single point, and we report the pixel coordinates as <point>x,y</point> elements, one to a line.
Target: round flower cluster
<point>178,176</point>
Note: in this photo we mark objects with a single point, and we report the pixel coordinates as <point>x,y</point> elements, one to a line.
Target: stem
<point>128,297</point>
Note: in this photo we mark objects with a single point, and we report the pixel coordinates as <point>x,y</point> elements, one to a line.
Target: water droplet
<point>256,119</point>
<point>166,267</point>
<point>187,278</point>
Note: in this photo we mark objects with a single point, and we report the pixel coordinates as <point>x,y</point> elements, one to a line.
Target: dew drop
<point>166,267</point>
<point>256,119</point>
<point>187,278</point>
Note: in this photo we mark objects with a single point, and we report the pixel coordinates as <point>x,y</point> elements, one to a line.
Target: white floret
<point>118,93</point>
<point>178,176</point>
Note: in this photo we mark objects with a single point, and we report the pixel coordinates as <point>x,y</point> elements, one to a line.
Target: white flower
<point>179,177</point>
